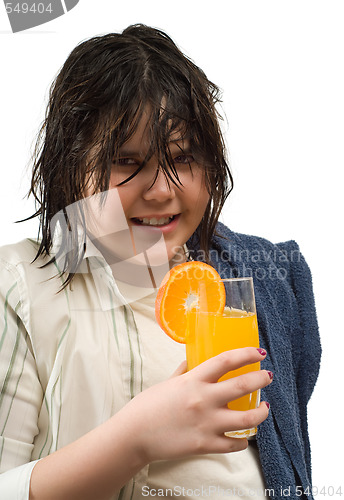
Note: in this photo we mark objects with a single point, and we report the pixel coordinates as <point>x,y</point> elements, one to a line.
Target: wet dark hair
<point>95,105</point>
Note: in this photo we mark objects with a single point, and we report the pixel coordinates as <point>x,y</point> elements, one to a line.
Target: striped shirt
<point>70,359</point>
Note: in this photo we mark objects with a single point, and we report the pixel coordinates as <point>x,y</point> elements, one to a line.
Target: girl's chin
<point>176,256</point>
<point>170,256</point>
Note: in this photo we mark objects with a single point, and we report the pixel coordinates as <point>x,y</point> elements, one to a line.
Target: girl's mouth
<point>162,223</point>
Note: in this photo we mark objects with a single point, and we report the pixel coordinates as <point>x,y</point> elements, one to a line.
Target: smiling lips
<point>154,221</point>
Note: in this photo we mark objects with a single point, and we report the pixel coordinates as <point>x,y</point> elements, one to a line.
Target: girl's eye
<point>184,159</point>
<point>125,161</point>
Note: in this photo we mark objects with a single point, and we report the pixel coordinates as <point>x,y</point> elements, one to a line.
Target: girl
<point>130,176</point>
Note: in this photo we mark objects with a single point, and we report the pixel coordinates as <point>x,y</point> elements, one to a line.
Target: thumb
<point>182,368</point>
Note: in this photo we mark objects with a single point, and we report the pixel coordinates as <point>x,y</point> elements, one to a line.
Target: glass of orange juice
<point>209,334</point>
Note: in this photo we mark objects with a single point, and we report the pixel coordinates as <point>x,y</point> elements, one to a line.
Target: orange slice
<point>185,287</point>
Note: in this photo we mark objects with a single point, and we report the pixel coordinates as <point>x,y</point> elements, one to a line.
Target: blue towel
<point>288,330</point>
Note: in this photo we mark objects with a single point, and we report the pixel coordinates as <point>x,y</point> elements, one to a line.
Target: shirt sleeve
<point>20,389</point>
<point>15,483</point>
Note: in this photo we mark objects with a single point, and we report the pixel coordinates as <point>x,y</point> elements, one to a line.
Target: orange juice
<point>210,334</point>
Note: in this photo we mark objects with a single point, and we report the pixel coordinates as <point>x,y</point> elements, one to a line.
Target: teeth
<point>156,222</point>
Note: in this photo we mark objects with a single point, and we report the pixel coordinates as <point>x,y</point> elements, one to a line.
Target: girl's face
<point>157,208</point>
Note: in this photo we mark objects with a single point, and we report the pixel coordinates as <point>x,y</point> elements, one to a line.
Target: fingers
<point>234,388</point>
<point>236,421</point>
<point>213,369</point>
<point>230,420</point>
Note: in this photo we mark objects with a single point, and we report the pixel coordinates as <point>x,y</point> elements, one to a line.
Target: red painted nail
<point>267,404</point>
<point>262,351</point>
<point>271,375</point>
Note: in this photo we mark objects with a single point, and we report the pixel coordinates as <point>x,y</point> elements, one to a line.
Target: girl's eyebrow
<point>180,144</point>
<point>123,151</point>
<point>183,140</point>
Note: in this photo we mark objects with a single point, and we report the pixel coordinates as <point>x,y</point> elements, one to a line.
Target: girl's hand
<point>188,414</point>
<point>185,415</point>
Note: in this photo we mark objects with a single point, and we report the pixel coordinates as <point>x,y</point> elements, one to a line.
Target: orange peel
<point>185,287</point>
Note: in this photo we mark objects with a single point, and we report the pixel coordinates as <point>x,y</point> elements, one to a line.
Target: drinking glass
<point>210,333</point>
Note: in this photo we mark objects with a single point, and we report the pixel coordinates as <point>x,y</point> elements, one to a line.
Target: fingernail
<point>262,351</point>
<point>267,404</point>
<point>271,375</point>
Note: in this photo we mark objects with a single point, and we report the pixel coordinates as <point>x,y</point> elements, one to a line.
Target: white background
<point>280,66</point>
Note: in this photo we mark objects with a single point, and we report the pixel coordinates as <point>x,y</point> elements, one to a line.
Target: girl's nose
<point>160,188</point>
